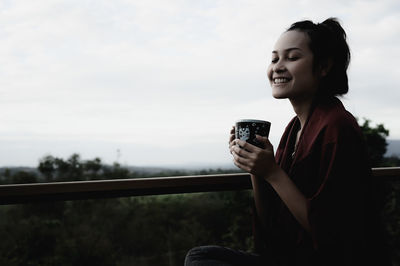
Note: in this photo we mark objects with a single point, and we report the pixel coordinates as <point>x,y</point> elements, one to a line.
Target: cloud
<point>121,70</point>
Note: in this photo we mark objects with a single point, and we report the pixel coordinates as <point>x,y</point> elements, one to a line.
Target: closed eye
<point>293,58</point>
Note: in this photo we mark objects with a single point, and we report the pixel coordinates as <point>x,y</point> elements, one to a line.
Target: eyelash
<point>290,58</point>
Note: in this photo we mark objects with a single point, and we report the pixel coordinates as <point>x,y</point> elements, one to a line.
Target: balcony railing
<point>39,192</point>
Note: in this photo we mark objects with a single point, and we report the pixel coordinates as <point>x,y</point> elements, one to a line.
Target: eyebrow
<point>287,50</point>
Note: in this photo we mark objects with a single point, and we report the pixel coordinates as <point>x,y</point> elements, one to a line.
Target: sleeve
<point>335,209</point>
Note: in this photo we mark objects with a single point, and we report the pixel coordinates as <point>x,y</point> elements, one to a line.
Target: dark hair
<point>328,45</point>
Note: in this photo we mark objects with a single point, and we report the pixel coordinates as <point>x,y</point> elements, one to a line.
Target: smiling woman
<point>315,198</point>
<point>290,72</point>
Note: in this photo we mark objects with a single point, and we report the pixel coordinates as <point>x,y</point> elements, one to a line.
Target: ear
<point>326,67</point>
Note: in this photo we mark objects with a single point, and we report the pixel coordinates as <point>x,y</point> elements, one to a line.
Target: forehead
<point>292,39</point>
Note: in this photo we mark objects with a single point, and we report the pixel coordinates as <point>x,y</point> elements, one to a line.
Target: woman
<point>314,197</point>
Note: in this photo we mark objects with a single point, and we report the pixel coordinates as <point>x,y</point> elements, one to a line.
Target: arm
<point>290,195</point>
<point>260,163</point>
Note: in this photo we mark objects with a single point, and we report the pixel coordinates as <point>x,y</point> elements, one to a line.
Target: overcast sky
<point>161,82</point>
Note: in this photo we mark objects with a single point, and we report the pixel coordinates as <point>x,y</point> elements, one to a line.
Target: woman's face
<point>291,72</point>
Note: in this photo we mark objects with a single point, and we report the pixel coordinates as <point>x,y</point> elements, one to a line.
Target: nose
<point>279,67</point>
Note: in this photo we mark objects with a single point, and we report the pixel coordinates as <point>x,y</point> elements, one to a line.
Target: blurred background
<point>94,90</point>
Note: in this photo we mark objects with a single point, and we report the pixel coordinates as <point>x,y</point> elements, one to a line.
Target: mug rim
<point>252,121</point>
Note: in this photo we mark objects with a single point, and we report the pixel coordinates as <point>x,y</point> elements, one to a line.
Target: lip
<point>281,77</point>
<point>288,79</point>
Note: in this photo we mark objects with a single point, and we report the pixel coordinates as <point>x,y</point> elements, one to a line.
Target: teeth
<point>281,80</point>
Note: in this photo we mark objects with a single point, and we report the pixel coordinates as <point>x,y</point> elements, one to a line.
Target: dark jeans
<point>222,256</point>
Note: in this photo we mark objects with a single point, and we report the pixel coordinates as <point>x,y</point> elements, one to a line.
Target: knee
<point>193,255</point>
<point>197,254</point>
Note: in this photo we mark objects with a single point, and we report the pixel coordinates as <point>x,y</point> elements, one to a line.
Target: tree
<point>391,161</point>
<point>22,177</point>
<point>375,138</point>
<point>47,167</point>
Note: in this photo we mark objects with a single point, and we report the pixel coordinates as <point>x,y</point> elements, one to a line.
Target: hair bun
<point>334,27</point>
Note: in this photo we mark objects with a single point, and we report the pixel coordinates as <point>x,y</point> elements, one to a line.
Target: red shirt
<point>330,167</point>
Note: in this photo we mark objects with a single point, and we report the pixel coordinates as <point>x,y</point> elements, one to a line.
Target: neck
<point>302,109</point>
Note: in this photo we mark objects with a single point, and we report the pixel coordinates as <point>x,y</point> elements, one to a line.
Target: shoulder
<point>333,121</point>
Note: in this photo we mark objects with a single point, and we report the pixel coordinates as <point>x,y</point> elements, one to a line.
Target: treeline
<point>74,168</point>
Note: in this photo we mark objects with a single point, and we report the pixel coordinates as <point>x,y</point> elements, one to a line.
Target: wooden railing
<point>39,192</point>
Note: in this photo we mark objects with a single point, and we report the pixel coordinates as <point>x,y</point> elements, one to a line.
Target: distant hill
<point>393,147</point>
<point>142,170</point>
<point>14,170</point>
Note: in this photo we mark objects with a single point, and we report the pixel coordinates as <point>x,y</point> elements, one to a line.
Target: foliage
<point>375,138</point>
<point>149,230</point>
<point>391,219</point>
<point>392,161</point>
<point>75,169</point>
<point>153,230</point>
<point>53,169</point>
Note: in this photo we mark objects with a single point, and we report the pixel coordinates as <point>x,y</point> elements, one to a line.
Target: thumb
<point>265,141</point>
<point>262,139</point>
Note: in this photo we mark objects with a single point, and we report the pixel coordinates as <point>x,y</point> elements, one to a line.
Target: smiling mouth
<point>281,80</point>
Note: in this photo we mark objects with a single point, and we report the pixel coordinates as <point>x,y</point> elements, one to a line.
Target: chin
<point>279,95</point>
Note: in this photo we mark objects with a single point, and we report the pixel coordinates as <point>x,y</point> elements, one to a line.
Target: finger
<point>239,157</point>
<point>264,140</point>
<point>231,138</point>
<point>247,146</point>
<point>240,162</point>
<point>231,145</point>
<point>240,152</point>
<point>242,166</point>
<point>232,135</point>
<point>232,142</point>
<point>261,138</point>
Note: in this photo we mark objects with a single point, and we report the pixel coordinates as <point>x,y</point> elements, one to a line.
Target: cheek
<point>269,72</point>
<point>305,69</point>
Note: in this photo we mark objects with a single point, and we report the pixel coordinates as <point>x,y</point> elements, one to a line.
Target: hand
<point>252,159</point>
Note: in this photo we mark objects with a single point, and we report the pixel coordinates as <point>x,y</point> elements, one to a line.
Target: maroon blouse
<point>330,167</point>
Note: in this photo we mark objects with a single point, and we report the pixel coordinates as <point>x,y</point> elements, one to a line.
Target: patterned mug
<point>246,129</point>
